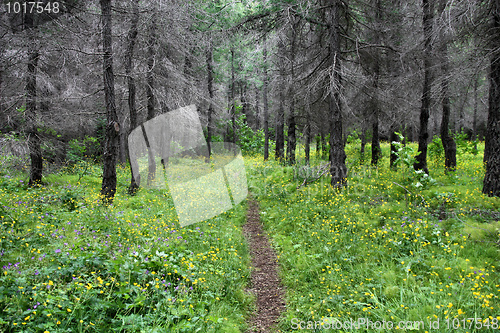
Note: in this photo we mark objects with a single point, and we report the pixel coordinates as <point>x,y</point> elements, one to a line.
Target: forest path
<point>265,283</point>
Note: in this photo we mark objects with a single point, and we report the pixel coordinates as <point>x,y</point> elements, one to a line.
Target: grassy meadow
<point>387,249</point>
<point>394,246</point>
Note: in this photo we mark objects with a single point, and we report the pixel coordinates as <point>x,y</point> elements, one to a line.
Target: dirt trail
<point>265,282</point>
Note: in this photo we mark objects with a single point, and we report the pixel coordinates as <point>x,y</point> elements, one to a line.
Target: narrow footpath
<point>265,283</point>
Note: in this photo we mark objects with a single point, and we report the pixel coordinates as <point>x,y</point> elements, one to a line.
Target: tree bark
<point>131,40</point>
<point>111,140</point>
<point>210,82</point>
<point>376,150</point>
<point>280,117</point>
<point>423,136</point>
<point>450,148</point>
<point>338,168</point>
<point>257,109</point>
<point>34,141</point>
<point>491,182</point>
<point>307,131</point>
<point>266,104</point>
<point>150,97</point>
<point>474,117</point>
<point>233,106</point>
<point>393,138</point>
<point>292,139</point>
<point>363,144</point>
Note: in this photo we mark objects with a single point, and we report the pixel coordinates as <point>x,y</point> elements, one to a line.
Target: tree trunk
<point>210,82</point>
<point>111,140</point>
<point>307,133</point>
<point>291,139</point>
<point>266,104</point>
<point>338,168</point>
<point>423,136</point>
<point>131,40</point>
<point>450,148</point>
<point>233,106</point>
<point>31,110</point>
<point>280,117</point>
<point>376,150</point>
<point>257,109</point>
<point>394,156</point>
<point>363,144</point>
<point>491,182</point>
<point>323,145</point>
<point>474,118</point>
<point>150,97</point>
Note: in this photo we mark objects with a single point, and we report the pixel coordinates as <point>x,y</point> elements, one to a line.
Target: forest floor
<point>265,283</point>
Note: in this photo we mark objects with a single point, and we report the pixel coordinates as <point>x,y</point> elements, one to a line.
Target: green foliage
<point>406,159</point>
<point>436,150</point>
<point>353,150</point>
<point>250,141</point>
<point>464,146</point>
<point>82,150</point>
<point>369,253</point>
<point>69,264</point>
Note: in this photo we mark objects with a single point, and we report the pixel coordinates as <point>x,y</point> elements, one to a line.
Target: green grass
<point>71,265</point>
<point>382,251</point>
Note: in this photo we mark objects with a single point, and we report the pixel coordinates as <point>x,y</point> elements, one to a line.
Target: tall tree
<point>131,41</point>
<point>338,168</point>
<point>450,148</point>
<point>376,150</point>
<point>31,109</point>
<point>423,136</point>
<point>210,86</point>
<point>291,137</point>
<point>280,116</point>
<point>150,96</point>
<point>111,140</point>
<point>491,182</point>
<point>266,103</point>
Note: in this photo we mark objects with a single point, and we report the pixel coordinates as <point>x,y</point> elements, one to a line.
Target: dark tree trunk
<point>292,139</point>
<point>280,128</point>
<point>257,109</point>
<point>450,148</point>
<point>150,97</point>
<point>423,136</point>
<point>363,144</point>
<point>409,134</point>
<point>233,106</point>
<point>318,146</point>
<point>323,145</point>
<point>338,168</point>
<point>376,150</point>
<point>491,182</point>
<point>394,156</point>
<point>474,118</point>
<point>266,105</point>
<point>307,133</point>
<point>111,140</point>
<point>280,117</point>
<point>131,40</point>
<point>210,83</point>
<point>31,111</point>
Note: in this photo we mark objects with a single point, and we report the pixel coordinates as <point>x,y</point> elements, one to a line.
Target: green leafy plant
<point>465,146</point>
<point>406,159</point>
